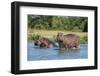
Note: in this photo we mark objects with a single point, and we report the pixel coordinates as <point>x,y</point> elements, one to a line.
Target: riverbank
<point>51,34</point>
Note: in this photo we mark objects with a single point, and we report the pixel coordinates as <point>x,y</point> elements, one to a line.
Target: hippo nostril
<point>60,41</point>
<point>35,43</point>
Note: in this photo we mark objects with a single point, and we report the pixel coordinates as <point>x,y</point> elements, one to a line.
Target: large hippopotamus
<point>69,41</point>
<point>44,42</point>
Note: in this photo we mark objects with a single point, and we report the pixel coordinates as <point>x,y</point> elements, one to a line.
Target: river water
<point>36,53</point>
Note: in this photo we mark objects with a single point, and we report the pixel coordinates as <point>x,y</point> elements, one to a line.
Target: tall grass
<point>51,34</point>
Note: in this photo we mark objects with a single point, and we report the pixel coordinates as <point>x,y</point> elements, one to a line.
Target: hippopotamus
<point>44,42</point>
<point>68,41</point>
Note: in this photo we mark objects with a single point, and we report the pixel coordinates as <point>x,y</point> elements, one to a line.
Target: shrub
<point>33,37</point>
<point>84,39</point>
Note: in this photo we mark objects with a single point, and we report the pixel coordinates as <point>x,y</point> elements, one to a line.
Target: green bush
<point>33,37</point>
<point>84,40</point>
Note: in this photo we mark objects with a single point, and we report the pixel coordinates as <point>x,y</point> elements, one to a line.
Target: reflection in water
<point>37,53</point>
<point>62,52</point>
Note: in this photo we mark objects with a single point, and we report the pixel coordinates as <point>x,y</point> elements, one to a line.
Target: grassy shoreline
<point>51,34</point>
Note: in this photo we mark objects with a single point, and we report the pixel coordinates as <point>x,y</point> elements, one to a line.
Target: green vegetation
<point>84,39</point>
<point>67,23</point>
<point>51,34</point>
<point>49,26</point>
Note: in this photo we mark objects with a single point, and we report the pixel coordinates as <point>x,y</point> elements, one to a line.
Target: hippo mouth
<point>60,41</point>
<point>36,44</point>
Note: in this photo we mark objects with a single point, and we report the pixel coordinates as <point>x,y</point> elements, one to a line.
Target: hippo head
<point>60,37</point>
<point>38,40</point>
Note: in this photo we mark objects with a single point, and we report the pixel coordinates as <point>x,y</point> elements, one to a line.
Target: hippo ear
<point>60,33</point>
<point>38,36</point>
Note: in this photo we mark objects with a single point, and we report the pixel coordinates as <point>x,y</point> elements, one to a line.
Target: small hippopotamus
<point>44,42</point>
<point>68,41</point>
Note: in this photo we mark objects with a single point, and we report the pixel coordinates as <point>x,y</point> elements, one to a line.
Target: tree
<point>68,23</point>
